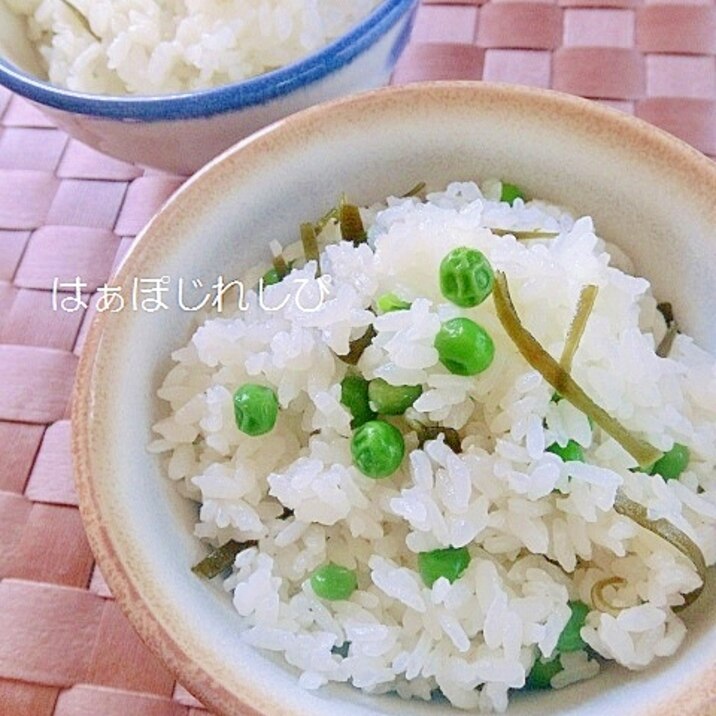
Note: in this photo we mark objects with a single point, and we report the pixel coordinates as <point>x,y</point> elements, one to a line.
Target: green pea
<point>464,347</point>
<point>377,448</point>
<point>390,302</point>
<point>540,676</point>
<point>569,639</point>
<point>392,399</point>
<point>450,563</point>
<point>333,582</point>
<point>272,277</point>
<point>672,463</point>
<point>354,395</point>
<point>510,192</point>
<point>466,277</point>
<point>255,409</point>
<point>571,451</point>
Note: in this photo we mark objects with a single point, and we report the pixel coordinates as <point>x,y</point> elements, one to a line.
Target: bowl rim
<point>205,103</point>
<point>694,698</point>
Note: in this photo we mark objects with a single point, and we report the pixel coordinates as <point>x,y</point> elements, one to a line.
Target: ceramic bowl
<point>649,193</point>
<point>180,133</point>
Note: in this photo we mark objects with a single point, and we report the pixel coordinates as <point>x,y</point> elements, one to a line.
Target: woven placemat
<point>67,211</point>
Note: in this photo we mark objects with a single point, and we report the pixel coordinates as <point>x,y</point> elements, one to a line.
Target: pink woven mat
<point>66,211</point>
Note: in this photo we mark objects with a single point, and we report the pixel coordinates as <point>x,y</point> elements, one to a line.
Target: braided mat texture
<point>66,211</point>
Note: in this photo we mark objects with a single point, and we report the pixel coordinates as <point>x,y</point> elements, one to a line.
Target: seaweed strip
<point>352,228</point>
<point>281,267</point>
<point>433,432</point>
<point>597,593</point>
<point>357,346</point>
<point>310,245</point>
<point>419,187</point>
<point>587,297</point>
<point>669,533</point>
<point>525,235</point>
<point>672,329</point>
<point>533,352</point>
<point>221,558</point>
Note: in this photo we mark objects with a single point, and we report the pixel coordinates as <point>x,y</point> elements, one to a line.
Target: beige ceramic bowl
<point>648,192</point>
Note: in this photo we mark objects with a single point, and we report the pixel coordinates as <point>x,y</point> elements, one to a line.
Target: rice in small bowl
<point>526,513</point>
<point>171,84</point>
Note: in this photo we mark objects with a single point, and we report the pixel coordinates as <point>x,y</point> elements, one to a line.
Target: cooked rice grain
<point>541,532</point>
<point>169,46</point>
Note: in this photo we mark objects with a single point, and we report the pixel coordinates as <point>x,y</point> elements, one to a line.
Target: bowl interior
<point>18,49</point>
<point>15,44</point>
<point>649,194</point>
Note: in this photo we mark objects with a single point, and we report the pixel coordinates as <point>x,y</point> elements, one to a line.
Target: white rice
<point>541,532</point>
<point>160,46</point>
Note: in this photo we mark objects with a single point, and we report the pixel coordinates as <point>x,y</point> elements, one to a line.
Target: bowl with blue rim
<point>180,132</point>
